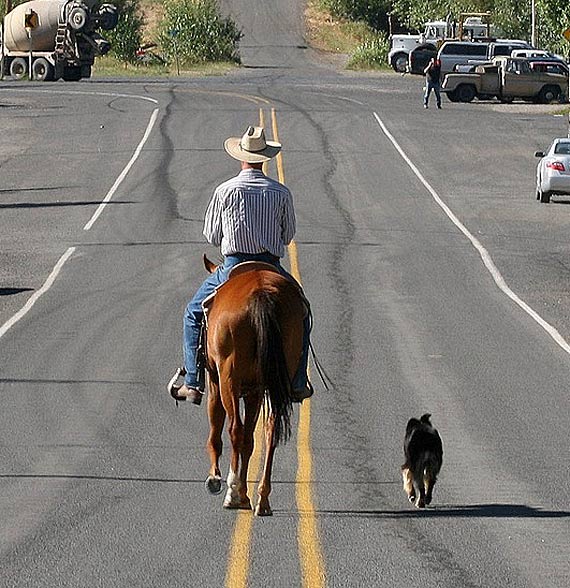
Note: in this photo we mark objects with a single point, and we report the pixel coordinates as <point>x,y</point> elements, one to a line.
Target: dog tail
<point>429,465</point>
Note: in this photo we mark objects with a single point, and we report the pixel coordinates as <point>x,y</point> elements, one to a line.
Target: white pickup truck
<point>434,33</point>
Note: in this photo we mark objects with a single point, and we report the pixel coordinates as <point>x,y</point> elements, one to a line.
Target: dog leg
<point>421,493</point>
<point>429,482</point>
<point>408,483</point>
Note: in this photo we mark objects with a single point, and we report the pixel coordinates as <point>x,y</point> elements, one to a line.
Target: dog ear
<point>425,418</point>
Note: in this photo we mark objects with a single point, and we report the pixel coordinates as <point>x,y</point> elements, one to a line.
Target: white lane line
<point>36,295</point>
<point>124,173</point>
<point>91,93</point>
<point>488,262</point>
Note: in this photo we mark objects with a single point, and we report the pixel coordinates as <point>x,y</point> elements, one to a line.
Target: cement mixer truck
<point>46,40</point>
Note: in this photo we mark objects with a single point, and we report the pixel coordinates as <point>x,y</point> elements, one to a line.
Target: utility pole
<point>532,23</point>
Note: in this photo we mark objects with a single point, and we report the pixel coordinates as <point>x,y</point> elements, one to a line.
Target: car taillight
<point>557,165</point>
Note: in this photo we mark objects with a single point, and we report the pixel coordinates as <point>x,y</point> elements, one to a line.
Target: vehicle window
<point>501,50</point>
<point>562,149</point>
<point>471,49</point>
<point>524,67</point>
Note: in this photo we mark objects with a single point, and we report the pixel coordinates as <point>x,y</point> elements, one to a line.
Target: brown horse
<point>254,344</point>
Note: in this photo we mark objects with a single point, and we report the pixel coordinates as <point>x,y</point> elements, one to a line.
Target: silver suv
<point>453,53</point>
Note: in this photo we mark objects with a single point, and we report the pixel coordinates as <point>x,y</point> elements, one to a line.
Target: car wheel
<point>545,196</point>
<point>400,62</point>
<point>465,92</point>
<point>549,94</point>
<point>452,96</point>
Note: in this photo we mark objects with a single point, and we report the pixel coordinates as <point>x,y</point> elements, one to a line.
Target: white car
<point>553,170</point>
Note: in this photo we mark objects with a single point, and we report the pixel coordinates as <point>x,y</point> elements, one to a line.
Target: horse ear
<point>210,267</point>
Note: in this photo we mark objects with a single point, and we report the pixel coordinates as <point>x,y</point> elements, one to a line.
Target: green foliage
<point>372,12</point>
<point>512,17</point>
<point>126,37</point>
<point>195,32</point>
<point>372,53</point>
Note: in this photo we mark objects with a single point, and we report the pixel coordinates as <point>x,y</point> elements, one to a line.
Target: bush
<point>195,32</point>
<point>372,53</point>
<point>126,37</point>
<point>372,12</point>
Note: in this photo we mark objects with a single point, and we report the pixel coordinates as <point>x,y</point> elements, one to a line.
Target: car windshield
<point>562,148</point>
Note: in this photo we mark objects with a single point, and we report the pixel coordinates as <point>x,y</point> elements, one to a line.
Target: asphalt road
<point>101,476</point>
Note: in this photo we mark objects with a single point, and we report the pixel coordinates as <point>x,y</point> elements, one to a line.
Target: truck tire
<point>452,96</point>
<point>77,18</point>
<point>71,74</point>
<point>549,94</point>
<point>42,70</point>
<point>465,92</point>
<point>19,68</point>
<point>400,62</point>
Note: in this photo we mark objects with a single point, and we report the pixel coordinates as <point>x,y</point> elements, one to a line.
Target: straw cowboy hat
<point>252,147</point>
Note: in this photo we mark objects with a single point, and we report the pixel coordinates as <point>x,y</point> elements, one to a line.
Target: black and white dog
<point>424,455</point>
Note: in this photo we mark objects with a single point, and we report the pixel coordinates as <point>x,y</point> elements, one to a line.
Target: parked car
<point>453,53</point>
<point>530,53</point>
<point>553,170</point>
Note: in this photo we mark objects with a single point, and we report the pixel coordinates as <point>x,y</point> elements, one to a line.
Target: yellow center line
<point>238,557</point>
<point>238,563</point>
<point>310,551</point>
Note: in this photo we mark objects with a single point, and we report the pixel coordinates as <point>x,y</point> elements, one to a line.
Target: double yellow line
<point>310,552</point>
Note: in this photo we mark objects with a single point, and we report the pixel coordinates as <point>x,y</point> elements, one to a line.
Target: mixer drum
<point>43,36</point>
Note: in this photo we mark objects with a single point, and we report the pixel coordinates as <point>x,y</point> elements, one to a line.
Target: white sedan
<point>553,170</point>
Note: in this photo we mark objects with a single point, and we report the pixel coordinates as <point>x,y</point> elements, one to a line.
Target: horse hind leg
<point>236,494</point>
<point>263,508</point>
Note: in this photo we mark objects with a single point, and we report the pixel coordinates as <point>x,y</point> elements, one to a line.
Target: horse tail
<point>272,362</point>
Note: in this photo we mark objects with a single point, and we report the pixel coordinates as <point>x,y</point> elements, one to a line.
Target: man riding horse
<point>251,216</point>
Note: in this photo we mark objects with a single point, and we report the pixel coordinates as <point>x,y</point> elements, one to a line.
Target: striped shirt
<point>250,213</point>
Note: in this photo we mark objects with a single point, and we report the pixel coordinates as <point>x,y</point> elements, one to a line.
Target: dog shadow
<point>483,511</point>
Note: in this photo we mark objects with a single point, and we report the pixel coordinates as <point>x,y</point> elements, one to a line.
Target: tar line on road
<point>69,252</point>
<point>487,260</point>
<point>309,546</point>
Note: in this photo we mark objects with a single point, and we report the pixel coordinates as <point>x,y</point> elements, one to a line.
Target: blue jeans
<point>194,314</point>
<point>436,87</point>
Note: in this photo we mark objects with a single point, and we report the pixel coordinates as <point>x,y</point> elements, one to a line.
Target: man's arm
<point>213,221</point>
<point>289,224</point>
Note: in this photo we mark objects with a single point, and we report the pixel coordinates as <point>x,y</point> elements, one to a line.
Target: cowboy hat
<point>252,147</point>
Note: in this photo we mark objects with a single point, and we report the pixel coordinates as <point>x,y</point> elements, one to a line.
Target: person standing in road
<point>433,81</point>
<point>251,217</point>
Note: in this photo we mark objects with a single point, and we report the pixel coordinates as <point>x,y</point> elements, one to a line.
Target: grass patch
<point>366,48</point>
<point>333,35</point>
<point>109,66</point>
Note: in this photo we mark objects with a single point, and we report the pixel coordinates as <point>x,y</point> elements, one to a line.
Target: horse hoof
<point>238,504</point>
<point>263,512</point>
<point>214,484</point>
